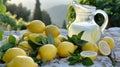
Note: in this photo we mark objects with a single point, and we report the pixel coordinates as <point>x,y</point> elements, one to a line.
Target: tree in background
<point>64,24</point>
<point>4,1</point>
<point>41,15</point>
<point>19,10</point>
<point>37,12</point>
<point>46,18</point>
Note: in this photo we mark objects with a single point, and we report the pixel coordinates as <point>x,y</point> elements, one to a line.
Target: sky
<point>45,4</point>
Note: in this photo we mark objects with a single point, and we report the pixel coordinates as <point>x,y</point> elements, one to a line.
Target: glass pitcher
<point>85,22</point>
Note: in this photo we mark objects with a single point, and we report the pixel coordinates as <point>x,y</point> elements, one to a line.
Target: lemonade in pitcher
<point>85,22</point>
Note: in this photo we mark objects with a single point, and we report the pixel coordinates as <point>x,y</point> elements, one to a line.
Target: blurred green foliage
<point>20,11</point>
<point>20,23</point>
<point>17,16</point>
<point>2,7</point>
<point>5,19</point>
<point>12,20</point>
<point>111,7</point>
<point>9,22</point>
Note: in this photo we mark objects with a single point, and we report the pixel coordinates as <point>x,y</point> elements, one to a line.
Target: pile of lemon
<point>17,56</point>
<point>103,47</point>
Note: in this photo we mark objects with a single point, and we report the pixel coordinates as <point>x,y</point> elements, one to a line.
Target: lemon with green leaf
<point>56,42</point>
<point>35,37</point>
<point>52,29</point>
<point>47,52</point>
<point>65,48</point>
<point>25,46</point>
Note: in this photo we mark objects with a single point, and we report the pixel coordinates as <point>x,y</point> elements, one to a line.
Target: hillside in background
<point>58,14</point>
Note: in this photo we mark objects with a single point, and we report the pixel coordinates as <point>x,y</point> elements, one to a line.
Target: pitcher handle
<point>103,26</point>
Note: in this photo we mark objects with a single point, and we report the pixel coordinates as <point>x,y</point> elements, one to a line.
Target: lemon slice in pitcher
<point>91,54</point>
<point>104,48</point>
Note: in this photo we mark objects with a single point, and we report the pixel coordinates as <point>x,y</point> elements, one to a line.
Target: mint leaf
<point>11,39</point>
<point>76,39</point>
<point>1,34</point>
<point>87,62</point>
<point>5,47</point>
<point>34,53</point>
<point>78,50</point>
<point>50,39</point>
<point>42,61</point>
<point>1,54</point>
<point>73,62</point>
<point>80,34</point>
<point>74,59</point>
<point>33,45</point>
<point>44,41</point>
<point>39,38</point>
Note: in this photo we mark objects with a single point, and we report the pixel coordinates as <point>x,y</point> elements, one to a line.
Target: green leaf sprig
<point>77,58</point>
<point>36,46</point>
<point>76,39</point>
<point>74,59</point>
<point>87,61</point>
<point>10,44</point>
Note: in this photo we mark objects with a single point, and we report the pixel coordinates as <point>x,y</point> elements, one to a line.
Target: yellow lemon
<point>38,56</point>
<point>62,38</point>
<point>36,26</point>
<point>26,38</point>
<point>48,52</point>
<point>110,42</point>
<point>95,48</point>
<point>90,46</point>
<point>22,61</point>
<point>91,54</point>
<point>26,34</point>
<point>56,42</point>
<point>25,46</point>
<point>75,47</point>
<point>12,53</point>
<point>104,48</point>
<point>52,29</point>
<point>65,48</point>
